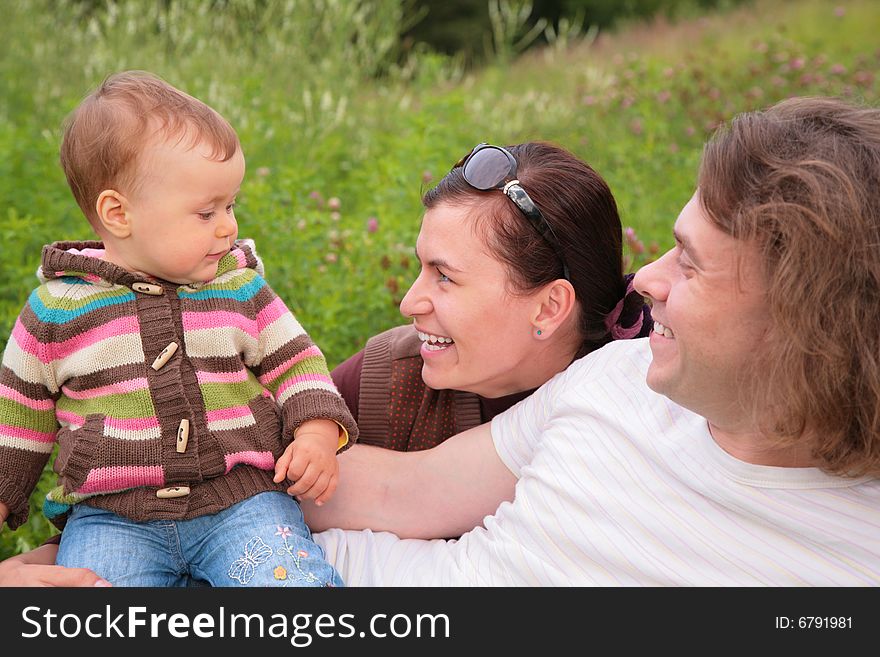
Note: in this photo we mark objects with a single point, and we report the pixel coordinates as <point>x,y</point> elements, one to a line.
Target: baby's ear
<point>112,216</point>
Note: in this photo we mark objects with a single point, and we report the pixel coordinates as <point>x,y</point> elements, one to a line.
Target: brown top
<point>167,401</point>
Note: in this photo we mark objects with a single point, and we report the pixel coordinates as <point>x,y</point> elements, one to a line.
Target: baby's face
<point>181,216</point>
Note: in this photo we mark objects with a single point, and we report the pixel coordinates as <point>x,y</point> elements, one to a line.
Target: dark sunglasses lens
<point>487,169</point>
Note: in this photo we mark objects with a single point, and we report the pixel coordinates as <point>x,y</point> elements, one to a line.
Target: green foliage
<point>343,129</point>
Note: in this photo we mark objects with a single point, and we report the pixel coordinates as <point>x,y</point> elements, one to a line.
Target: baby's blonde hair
<point>106,134</point>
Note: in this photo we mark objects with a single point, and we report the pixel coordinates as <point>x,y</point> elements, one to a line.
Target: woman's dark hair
<point>581,210</point>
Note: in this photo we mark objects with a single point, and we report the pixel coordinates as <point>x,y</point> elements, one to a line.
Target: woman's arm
<point>435,493</point>
<point>36,568</point>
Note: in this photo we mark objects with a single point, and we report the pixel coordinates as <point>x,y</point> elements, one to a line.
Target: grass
<point>342,134</point>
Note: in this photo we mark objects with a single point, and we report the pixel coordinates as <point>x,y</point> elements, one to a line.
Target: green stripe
<point>66,303</point>
<point>244,277</point>
<point>226,395</point>
<point>310,365</point>
<point>15,414</point>
<point>125,406</point>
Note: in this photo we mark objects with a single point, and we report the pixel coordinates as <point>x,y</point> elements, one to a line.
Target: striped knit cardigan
<point>82,368</point>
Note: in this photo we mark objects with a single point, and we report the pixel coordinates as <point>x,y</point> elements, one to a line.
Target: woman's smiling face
<point>477,336</point>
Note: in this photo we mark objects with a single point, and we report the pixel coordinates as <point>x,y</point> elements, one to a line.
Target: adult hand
<point>37,568</point>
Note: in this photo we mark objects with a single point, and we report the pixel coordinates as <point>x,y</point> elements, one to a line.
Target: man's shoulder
<point>621,359</point>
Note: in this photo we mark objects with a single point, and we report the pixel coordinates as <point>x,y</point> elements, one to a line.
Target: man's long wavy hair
<point>801,180</point>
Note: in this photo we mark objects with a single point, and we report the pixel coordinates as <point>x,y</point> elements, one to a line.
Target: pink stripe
<point>114,328</point>
<point>27,434</point>
<point>227,413</point>
<point>218,319</point>
<point>104,480</point>
<point>16,396</point>
<point>222,377</point>
<point>54,350</point>
<point>303,378</point>
<point>240,257</point>
<point>261,460</point>
<point>27,342</point>
<point>271,312</point>
<point>114,388</point>
<point>286,365</point>
<point>70,418</point>
<point>92,253</point>
<point>134,424</point>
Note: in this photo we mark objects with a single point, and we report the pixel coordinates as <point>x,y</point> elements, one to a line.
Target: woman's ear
<point>112,214</point>
<point>554,303</point>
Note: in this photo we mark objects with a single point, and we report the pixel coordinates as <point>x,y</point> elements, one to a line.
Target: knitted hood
<point>83,260</point>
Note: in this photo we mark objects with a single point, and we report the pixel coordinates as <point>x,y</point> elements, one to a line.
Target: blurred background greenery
<point>348,110</point>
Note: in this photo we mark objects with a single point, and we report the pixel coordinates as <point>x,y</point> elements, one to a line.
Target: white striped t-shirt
<point>618,485</point>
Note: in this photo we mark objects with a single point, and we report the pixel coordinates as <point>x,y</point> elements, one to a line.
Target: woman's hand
<point>37,568</point>
<point>435,493</point>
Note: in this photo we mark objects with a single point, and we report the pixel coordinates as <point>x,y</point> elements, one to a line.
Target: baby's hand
<point>4,513</point>
<point>310,461</point>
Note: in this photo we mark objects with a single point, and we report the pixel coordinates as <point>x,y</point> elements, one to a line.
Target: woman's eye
<point>443,278</point>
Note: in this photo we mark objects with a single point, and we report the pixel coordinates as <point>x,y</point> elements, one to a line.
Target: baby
<point>181,390</point>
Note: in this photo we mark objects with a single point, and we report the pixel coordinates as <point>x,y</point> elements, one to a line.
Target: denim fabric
<point>261,541</point>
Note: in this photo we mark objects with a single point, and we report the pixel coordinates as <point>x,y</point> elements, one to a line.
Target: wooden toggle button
<point>182,436</point>
<point>147,288</point>
<point>172,491</point>
<point>165,356</point>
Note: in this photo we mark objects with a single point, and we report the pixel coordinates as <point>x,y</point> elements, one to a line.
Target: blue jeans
<point>261,541</point>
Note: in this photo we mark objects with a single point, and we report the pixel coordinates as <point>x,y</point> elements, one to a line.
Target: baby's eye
<point>230,207</point>
<point>207,216</point>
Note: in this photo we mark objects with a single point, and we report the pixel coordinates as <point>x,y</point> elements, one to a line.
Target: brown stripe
<point>263,298</point>
<point>211,496</point>
<point>219,364</point>
<point>32,390</point>
<point>106,377</point>
<point>284,353</point>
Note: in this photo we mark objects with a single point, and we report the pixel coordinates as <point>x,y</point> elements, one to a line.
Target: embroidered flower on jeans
<point>302,554</point>
<point>280,572</point>
<point>283,532</point>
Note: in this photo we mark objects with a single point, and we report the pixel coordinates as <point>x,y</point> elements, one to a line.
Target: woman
<point>514,286</point>
<point>521,260</point>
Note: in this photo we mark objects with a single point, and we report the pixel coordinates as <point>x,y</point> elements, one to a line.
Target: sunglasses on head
<point>489,167</point>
